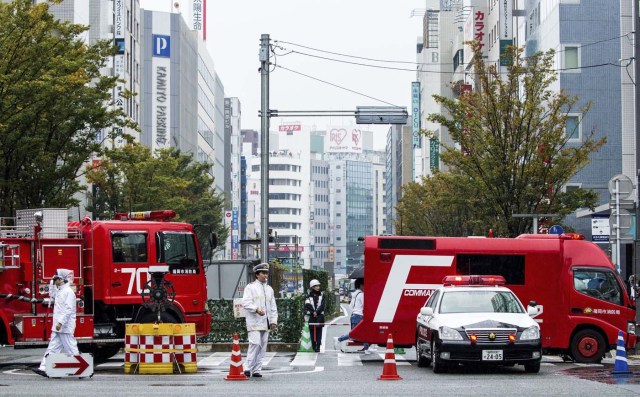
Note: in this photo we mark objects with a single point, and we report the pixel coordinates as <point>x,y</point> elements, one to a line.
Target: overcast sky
<point>376,29</point>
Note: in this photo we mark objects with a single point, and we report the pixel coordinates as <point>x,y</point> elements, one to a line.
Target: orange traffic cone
<point>235,368</point>
<point>389,371</point>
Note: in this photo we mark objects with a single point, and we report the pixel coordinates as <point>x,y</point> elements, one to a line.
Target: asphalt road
<point>328,373</point>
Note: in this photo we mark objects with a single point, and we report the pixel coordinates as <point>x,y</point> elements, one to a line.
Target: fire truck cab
<point>581,300</point>
<point>110,261</point>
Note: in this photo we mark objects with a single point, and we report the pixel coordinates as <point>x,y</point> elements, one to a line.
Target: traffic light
<point>271,239</point>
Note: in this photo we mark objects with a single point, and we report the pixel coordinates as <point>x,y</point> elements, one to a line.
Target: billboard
<point>343,140</point>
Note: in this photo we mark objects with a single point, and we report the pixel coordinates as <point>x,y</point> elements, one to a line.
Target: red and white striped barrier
<point>185,348</point>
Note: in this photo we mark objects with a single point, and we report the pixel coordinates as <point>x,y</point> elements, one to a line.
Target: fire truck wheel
<point>588,346</point>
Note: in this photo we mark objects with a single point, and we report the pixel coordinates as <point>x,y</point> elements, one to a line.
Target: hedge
<point>290,315</point>
<point>224,325</point>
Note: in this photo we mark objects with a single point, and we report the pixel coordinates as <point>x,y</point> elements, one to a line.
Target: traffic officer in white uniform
<point>261,313</point>
<point>64,319</point>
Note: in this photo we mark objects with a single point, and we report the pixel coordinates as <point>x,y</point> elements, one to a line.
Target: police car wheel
<point>423,361</point>
<point>437,365</point>
<point>532,368</point>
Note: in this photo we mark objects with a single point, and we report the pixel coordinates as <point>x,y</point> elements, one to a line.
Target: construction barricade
<point>160,348</point>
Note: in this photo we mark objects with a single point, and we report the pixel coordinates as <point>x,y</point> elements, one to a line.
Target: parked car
<point>475,320</point>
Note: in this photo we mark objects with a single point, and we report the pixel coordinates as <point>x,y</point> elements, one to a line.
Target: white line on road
<point>349,360</point>
<point>304,359</point>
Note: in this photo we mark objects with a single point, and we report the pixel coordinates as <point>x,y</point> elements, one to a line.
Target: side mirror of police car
<point>532,308</point>
<point>426,311</point>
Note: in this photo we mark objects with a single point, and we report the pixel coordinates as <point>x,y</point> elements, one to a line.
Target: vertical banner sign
<point>415,113</point>
<point>474,29</point>
<point>227,224</point>
<point>119,58</point>
<point>235,244</point>
<point>227,117</point>
<point>161,78</point>
<point>434,154</point>
<point>505,30</point>
<point>197,14</point>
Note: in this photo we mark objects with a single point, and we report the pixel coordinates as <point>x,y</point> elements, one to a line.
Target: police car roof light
<point>473,280</point>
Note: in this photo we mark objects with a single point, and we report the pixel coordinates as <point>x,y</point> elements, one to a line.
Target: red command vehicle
<point>581,300</point>
<point>110,262</point>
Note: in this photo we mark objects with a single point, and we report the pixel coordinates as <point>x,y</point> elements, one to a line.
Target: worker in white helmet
<point>314,308</point>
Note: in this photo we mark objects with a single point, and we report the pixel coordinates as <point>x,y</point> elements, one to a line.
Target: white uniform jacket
<point>64,310</point>
<point>259,296</point>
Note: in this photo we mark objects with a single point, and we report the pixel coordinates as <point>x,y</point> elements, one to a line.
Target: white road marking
<point>304,359</point>
<point>348,360</point>
<point>214,359</point>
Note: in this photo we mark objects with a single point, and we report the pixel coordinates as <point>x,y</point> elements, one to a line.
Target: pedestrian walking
<point>314,308</point>
<point>357,311</point>
<point>261,314</point>
<point>64,319</point>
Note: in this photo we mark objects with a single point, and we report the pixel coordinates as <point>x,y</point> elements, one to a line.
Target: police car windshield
<point>479,302</point>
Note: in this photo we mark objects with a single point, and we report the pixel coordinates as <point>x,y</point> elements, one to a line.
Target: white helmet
<point>313,283</point>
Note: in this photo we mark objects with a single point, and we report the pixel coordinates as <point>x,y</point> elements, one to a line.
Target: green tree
<point>131,178</point>
<point>512,144</point>
<point>53,104</point>
<point>441,205</point>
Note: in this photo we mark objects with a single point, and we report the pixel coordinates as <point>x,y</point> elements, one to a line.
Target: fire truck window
<point>600,284</point>
<point>511,267</point>
<point>129,247</point>
<point>178,250</point>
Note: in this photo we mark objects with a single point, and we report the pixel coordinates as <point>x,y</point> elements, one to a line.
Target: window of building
<point>571,59</point>
<point>572,128</point>
<point>572,186</point>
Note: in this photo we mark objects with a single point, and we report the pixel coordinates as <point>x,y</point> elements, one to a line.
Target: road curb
<point>226,347</point>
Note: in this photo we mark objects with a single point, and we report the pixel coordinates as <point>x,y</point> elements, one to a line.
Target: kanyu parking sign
<point>161,46</point>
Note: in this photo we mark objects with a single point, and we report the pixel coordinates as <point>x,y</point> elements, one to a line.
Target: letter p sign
<point>161,46</point>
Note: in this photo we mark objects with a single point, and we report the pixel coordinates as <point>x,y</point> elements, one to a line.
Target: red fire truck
<point>581,300</point>
<point>110,262</point>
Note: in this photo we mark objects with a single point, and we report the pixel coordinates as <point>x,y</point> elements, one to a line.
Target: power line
<point>336,85</point>
<point>436,71</point>
<point>417,63</point>
<point>346,55</point>
<point>370,65</point>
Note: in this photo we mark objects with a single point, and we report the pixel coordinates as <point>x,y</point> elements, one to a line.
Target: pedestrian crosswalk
<point>222,360</point>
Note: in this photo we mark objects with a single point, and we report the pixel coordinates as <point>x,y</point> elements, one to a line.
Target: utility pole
<point>636,53</point>
<point>264,151</point>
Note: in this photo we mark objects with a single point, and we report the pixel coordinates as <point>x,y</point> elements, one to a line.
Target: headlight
<point>447,333</point>
<point>531,333</point>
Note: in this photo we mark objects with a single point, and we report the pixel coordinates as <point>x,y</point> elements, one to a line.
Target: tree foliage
<point>53,103</point>
<point>512,153</point>
<point>131,178</point>
<point>442,205</point>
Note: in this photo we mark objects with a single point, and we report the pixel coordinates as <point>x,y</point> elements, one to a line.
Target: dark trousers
<point>316,336</point>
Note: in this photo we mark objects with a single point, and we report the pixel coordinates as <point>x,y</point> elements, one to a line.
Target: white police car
<point>475,320</point>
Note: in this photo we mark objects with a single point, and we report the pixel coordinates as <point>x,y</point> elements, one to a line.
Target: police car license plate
<point>492,355</point>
